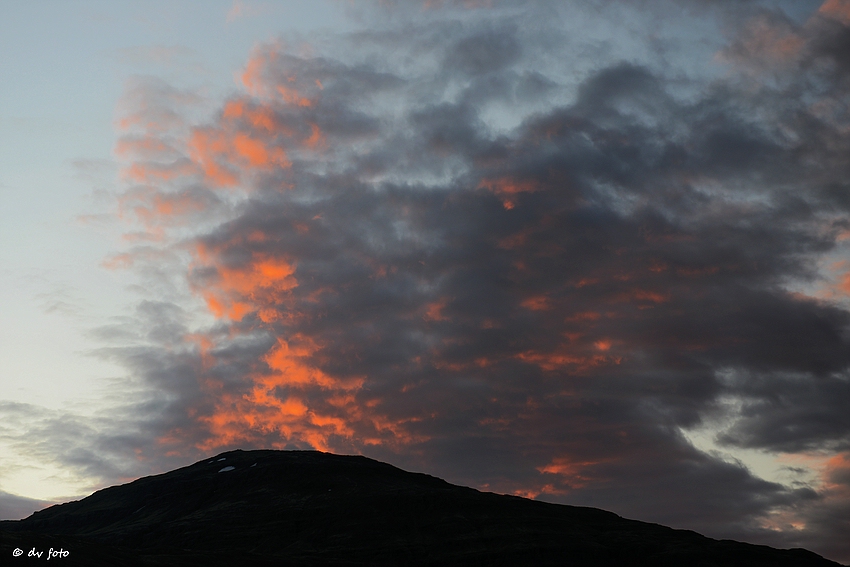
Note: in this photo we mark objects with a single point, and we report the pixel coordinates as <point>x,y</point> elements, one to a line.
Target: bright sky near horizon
<point>589,252</point>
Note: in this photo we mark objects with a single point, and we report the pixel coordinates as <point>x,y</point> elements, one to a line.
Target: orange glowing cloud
<point>294,401</point>
<point>766,44</point>
<point>434,311</point>
<point>537,303</point>
<point>836,474</point>
<point>256,153</point>
<point>283,395</point>
<point>565,359</point>
<point>285,359</point>
<point>572,472</point>
<point>297,402</point>
<point>238,291</point>
<point>152,172</point>
<point>642,297</point>
<point>837,10</point>
<point>774,44</point>
<point>154,208</point>
<point>224,157</point>
<point>260,117</point>
<point>247,140</point>
<point>508,188</point>
<point>291,92</point>
<point>205,148</point>
<point>252,77</point>
<point>316,139</point>
<point>391,432</point>
<point>292,96</point>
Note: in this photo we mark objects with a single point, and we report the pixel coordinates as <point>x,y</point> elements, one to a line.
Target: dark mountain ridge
<point>310,508</point>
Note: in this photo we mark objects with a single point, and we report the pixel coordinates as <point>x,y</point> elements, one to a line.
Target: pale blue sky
<point>63,68</point>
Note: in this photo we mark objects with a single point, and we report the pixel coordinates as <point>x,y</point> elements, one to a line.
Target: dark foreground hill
<point>307,508</point>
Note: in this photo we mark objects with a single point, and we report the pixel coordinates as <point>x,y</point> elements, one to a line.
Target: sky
<point>594,253</point>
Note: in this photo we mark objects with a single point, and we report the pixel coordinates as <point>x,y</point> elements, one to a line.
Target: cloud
<point>429,244</point>
<point>16,507</point>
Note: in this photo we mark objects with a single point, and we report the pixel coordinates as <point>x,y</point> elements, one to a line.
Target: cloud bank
<point>14,507</point>
<point>525,248</point>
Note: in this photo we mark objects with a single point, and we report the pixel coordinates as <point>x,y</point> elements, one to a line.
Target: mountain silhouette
<point>307,508</point>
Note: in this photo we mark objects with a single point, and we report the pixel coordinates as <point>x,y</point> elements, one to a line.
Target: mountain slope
<point>311,508</point>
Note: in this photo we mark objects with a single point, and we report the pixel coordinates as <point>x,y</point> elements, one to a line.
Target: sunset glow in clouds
<point>594,254</point>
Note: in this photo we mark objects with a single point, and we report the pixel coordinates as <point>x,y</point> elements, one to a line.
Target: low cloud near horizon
<point>14,507</point>
<point>526,248</point>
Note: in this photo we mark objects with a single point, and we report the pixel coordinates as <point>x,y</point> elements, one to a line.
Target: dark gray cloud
<point>14,507</point>
<point>483,52</point>
<point>460,244</point>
